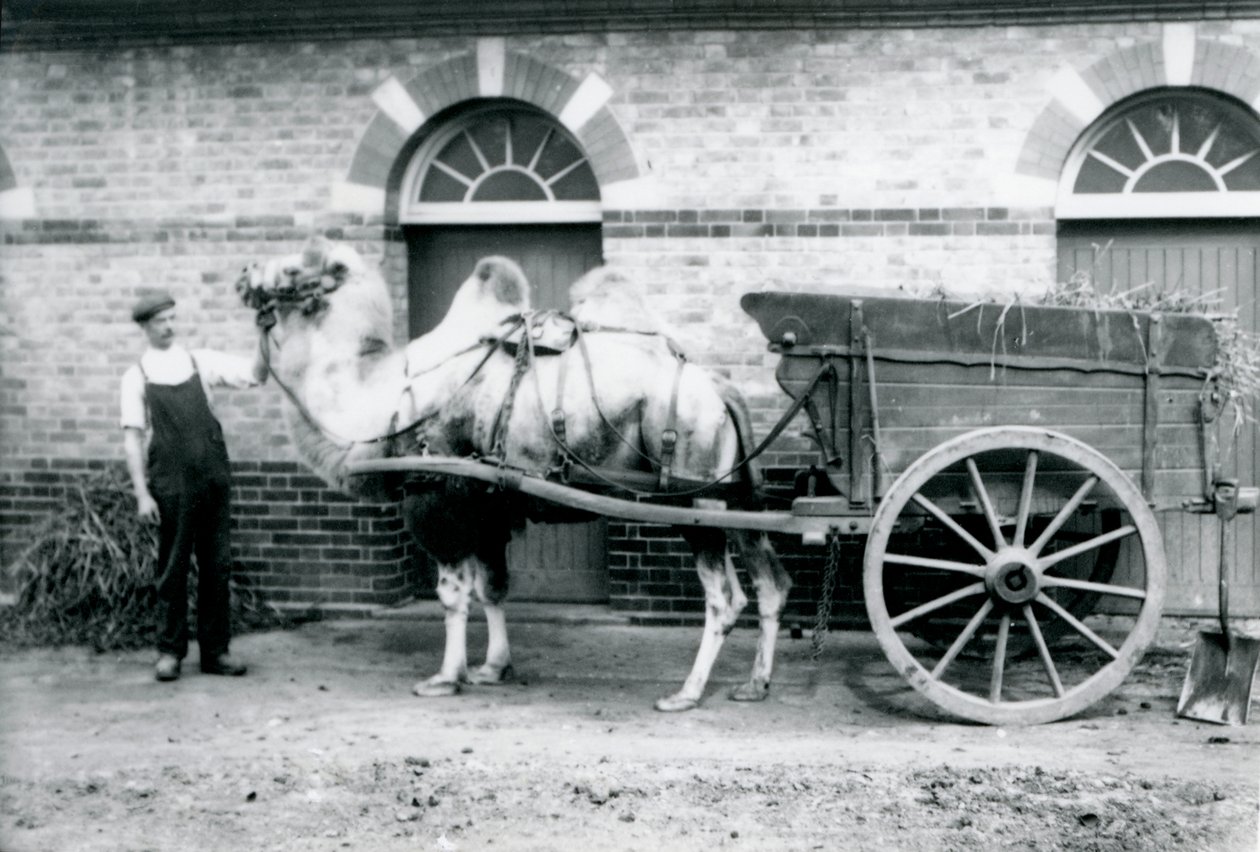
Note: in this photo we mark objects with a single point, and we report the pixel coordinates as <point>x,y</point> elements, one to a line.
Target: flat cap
<point>150,303</point>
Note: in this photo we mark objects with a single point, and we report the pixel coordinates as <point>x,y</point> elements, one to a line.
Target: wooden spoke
<point>1050,462</point>
<point>1043,651</point>
<point>481,157</point>
<point>939,564</point>
<point>943,600</point>
<point>533,162</point>
<point>945,519</point>
<point>1025,499</point>
<point>1086,586</point>
<point>962,640</point>
<point>999,659</point>
<point>453,173</point>
<point>1064,513</point>
<point>560,174</point>
<point>1103,645</point>
<point>1092,544</point>
<point>982,494</point>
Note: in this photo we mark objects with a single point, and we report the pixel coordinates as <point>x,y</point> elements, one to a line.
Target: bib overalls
<point>190,479</point>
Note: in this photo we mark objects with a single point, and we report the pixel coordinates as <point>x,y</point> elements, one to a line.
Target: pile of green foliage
<point>1237,367</point>
<point>88,576</point>
<point>1236,372</point>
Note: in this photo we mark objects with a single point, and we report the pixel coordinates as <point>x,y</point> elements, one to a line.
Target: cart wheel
<point>1015,475</point>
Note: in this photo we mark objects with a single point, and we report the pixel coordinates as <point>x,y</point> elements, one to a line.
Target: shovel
<point>1223,667</point>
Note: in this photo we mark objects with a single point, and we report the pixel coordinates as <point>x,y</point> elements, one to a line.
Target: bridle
<point>309,289</point>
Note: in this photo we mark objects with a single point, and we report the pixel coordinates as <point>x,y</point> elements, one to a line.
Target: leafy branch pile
<point>1237,367</point>
<point>88,576</point>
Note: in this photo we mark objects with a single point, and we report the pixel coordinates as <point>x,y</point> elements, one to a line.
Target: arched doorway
<point>1163,192</point>
<point>502,177</point>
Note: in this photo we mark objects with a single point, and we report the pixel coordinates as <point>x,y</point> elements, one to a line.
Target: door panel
<point>547,562</point>
<point>1216,260</point>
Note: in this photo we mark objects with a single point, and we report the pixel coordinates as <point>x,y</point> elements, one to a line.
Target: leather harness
<point>546,333</point>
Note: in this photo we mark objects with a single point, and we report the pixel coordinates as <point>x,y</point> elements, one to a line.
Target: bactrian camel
<point>620,392</point>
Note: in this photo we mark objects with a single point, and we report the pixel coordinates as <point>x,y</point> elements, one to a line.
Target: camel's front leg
<point>772,584</point>
<point>724,599</point>
<point>455,587</point>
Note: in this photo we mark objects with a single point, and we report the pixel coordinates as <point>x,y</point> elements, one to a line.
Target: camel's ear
<point>314,252</point>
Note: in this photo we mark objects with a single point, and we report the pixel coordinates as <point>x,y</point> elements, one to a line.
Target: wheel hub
<point>1011,577</point>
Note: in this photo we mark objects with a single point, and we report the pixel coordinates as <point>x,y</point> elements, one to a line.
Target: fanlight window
<point>501,165</point>
<point>1178,155</point>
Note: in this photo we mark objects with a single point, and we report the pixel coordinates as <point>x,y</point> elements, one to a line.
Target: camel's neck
<point>330,459</point>
<point>343,399</point>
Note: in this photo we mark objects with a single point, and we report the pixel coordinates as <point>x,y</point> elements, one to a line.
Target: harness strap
<point>619,329</point>
<point>557,413</point>
<point>498,434</point>
<point>564,457</point>
<point>590,382</point>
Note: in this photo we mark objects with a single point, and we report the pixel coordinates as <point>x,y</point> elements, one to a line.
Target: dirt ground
<point>323,747</point>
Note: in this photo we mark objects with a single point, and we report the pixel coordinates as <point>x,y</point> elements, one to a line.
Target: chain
<point>823,620</point>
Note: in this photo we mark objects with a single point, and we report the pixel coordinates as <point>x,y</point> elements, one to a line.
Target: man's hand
<point>266,317</point>
<point>147,509</point>
<point>133,447</point>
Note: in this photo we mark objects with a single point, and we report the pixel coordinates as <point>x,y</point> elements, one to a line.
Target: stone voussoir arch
<point>1181,58</point>
<point>16,202</point>
<point>489,71</point>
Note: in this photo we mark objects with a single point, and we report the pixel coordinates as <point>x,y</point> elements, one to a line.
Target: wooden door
<point>440,258</point>
<point>1218,259</point>
<point>547,562</point>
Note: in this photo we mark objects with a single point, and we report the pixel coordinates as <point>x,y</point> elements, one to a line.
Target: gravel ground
<point>322,747</point>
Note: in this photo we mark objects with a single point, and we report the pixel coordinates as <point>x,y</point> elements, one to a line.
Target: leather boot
<point>167,667</point>
<point>223,664</point>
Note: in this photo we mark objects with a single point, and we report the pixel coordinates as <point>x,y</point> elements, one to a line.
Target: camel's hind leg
<point>724,599</point>
<point>772,584</point>
<point>455,588</point>
<point>490,587</point>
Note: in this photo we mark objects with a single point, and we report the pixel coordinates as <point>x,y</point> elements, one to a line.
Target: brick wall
<point>296,541</point>
<point>799,159</point>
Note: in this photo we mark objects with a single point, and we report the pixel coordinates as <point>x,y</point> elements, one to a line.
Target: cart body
<point>918,372</point>
<point>1012,458</point>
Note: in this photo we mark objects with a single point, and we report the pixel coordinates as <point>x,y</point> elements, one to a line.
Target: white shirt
<point>174,365</point>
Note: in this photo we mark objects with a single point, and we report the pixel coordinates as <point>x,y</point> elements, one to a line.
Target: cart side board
<point>1127,384</point>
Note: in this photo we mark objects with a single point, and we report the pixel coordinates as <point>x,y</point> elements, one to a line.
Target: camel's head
<point>303,288</point>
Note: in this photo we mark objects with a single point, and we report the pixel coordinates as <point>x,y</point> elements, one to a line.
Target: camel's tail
<point>740,416</point>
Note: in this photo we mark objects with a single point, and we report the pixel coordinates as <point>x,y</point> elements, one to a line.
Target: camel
<point>447,393</point>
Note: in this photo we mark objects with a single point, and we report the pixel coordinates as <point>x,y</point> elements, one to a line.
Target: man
<point>184,483</point>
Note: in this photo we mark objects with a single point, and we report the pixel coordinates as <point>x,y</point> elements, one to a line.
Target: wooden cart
<point>1012,459</point>
<point>1004,463</point>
